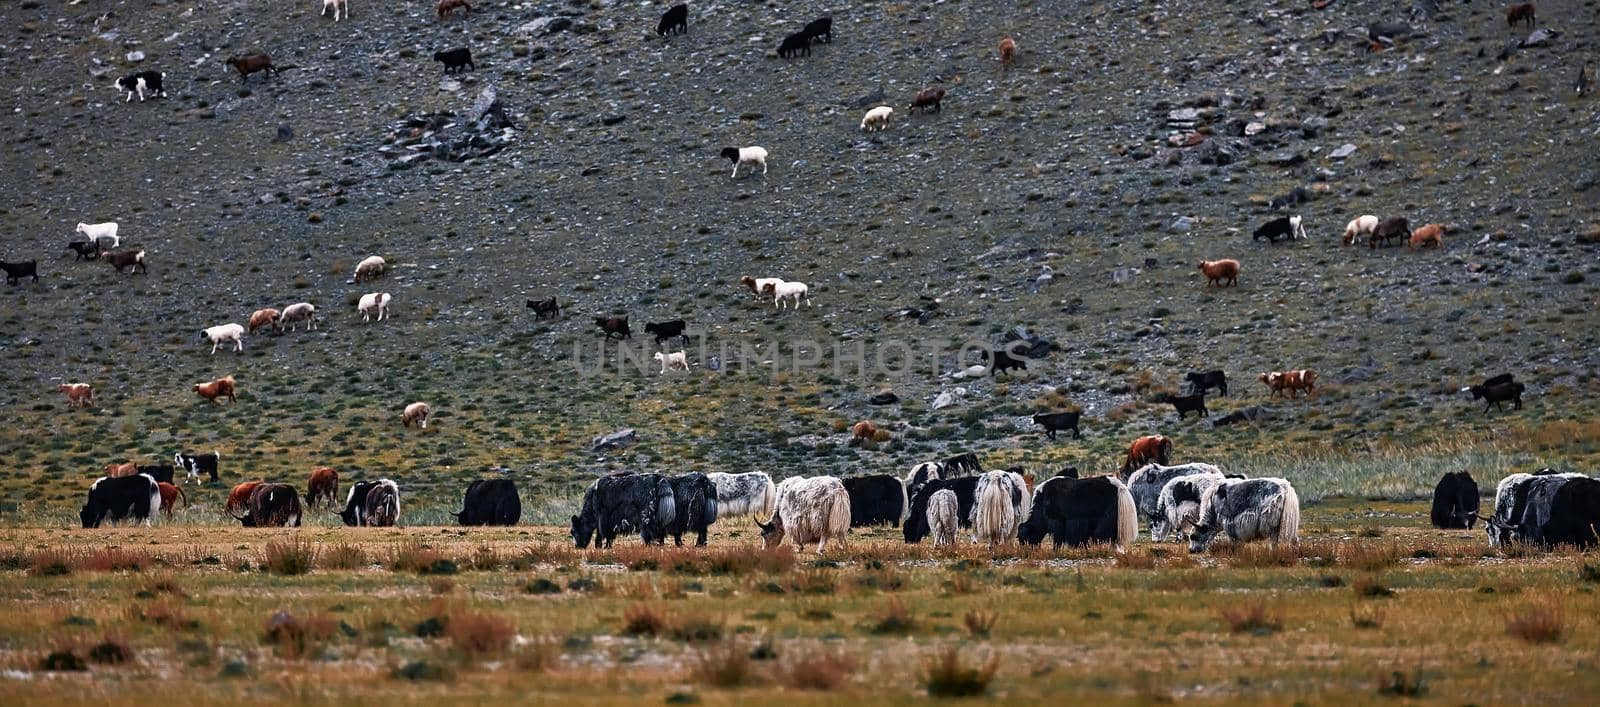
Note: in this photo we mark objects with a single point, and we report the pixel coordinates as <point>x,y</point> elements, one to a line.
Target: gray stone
<point>1342,152</point>
<point>615,440</point>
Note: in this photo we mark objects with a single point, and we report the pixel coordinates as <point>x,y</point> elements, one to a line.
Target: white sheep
<point>370,268</point>
<point>299,312</point>
<point>1358,227</point>
<point>96,231</point>
<point>677,360</point>
<point>337,6</point>
<point>1297,225</point>
<point>223,333</point>
<point>418,413</point>
<point>746,155</point>
<point>790,290</point>
<point>374,303</point>
<point>877,118</point>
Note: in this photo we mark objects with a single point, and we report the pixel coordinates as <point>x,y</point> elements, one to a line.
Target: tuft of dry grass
<point>1253,618</point>
<point>643,620</point>
<point>111,651</point>
<point>415,556</point>
<point>294,637</point>
<point>1366,617</point>
<point>945,675</point>
<point>289,557</point>
<point>1397,684</point>
<point>538,654</point>
<point>1544,623</point>
<point>1368,557</point>
<point>821,670</point>
<point>1136,560</point>
<point>893,618</point>
<point>722,664</point>
<point>161,614</point>
<point>479,634</point>
<point>342,556</point>
<point>48,562</point>
<point>979,625</point>
<point>1260,555</point>
<point>695,629</point>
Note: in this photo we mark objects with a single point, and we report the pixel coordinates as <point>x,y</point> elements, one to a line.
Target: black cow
<point>272,506</point>
<point>875,500</point>
<point>1076,512</point>
<point>1497,393</point>
<point>675,18</point>
<point>545,308</point>
<point>1200,382</point>
<point>372,503</point>
<point>121,498</point>
<point>1574,515</point>
<point>797,44</point>
<point>820,30</point>
<point>1004,361</point>
<point>694,498</point>
<point>622,504</point>
<point>1455,501</point>
<point>490,502</point>
<point>16,271</point>
<point>160,472</point>
<point>1053,422</point>
<point>193,465</point>
<point>1186,404</point>
<point>667,330</point>
<point>916,526</point>
<point>614,325</point>
<point>458,60</point>
<point>86,250</point>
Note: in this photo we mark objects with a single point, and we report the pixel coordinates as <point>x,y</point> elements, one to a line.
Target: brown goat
<point>248,64</point>
<point>1219,272</point>
<point>78,394</point>
<point>126,259</point>
<point>929,98</point>
<point>1431,234</point>
<point>448,7</point>
<point>863,430</point>
<point>264,318</point>
<point>216,389</point>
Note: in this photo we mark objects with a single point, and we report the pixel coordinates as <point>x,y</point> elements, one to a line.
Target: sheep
<point>96,232</point>
<point>247,64</point>
<point>790,290</point>
<point>216,389</point>
<point>223,333</point>
<point>374,303</point>
<point>1008,53</point>
<point>446,8</point>
<point>760,285</point>
<point>370,268</point>
<point>78,394</point>
<point>338,6</point>
<point>1431,234</point>
<point>1358,227</point>
<point>746,155</point>
<point>264,318</point>
<point>1387,230</point>
<point>932,97</point>
<point>677,360</point>
<point>298,312</point>
<point>877,118</point>
<point>1218,271</point>
<point>418,413</point>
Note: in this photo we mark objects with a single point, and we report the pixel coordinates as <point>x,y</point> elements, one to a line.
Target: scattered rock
<point>1342,152</point>
<point>1182,224</point>
<point>285,134</point>
<point>615,440</point>
<point>545,26</point>
<point>138,56</point>
<point>1537,38</point>
<point>947,398</point>
<point>1254,127</point>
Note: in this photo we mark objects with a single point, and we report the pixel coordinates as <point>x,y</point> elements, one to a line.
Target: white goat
<point>223,333</point>
<point>677,360</point>
<point>337,6</point>
<point>374,303</point>
<point>96,231</point>
<point>877,118</point>
<point>790,290</point>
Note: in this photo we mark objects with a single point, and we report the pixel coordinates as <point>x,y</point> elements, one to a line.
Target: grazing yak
<point>959,464</point>
<point>1574,515</point>
<point>162,473</point>
<point>1178,506</point>
<point>1147,483</point>
<point>1497,390</point>
<point>323,487</point>
<point>135,498</point>
<point>170,495</point>
<point>695,499</point>
<point>1455,501</point>
<point>1246,510</point>
<point>1078,512</point>
<point>920,475</point>
<point>1522,507</point>
<point>751,493</point>
<point>943,517</point>
<point>193,465</point>
<point>1000,503</point>
<point>1201,381</point>
<point>1149,449</point>
<point>271,506</point>
<point>876,500</point>
<point>490,502</point>
<point>916,525</point>
<point>239,497</point>
<point>1185,404</point>
<point>372,503</point>
<point>625,503</point>
<point>1054,422</point>
<point>815,509</point>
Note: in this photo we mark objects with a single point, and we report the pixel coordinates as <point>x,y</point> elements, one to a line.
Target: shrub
<point>540,585</point>
<point>1366,618</point>
<point>111,652</point>
<point>424,670</point>
<point>818,670</point>
<point>696,629</point>
<point>539,654</point>
<point>63,660</point>
<point>980,624</point>
<point>293,637</point>
<point>342,556</point>
<point>1369,557</point>
<point>722,664</point>
<point>643,620</point>
<point>289,557</point>
<point>1396,684</point>
<point>1539,624</point>
<point>894,618</point>
<point>479,634</point>
<point>1253,618</point>
<point>945,675</point>
<point>1589,573</point>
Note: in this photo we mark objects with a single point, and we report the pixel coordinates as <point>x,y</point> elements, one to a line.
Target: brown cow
<point>216,389</point>
<point>1150,449</point>
<point>239,497</point>
<point>324,486</point>
<point>1292,381</point>
<point>169,497</point>
<point>264,318</point>
<point>116,470</point>
<point>78,394</point>
<point>1220,272</point>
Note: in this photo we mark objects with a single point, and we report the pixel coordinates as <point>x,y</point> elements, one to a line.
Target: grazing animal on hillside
<point>16,271</point>
<point>78,394</point>
<point>667,330</point>
<point>193,465</point>
<point>1149,449</point>
<point>749,493</point>
<point>810,510</point>
<point>1186,404</point>
<point>86,250</point>
<point>1053,422</point>
<point>1246,510</point>
<point>263,318</point>
<point>1008,53</point>
<point>753,156</point>
<point>797,44</point>
<point>1430,234</point>
<point>1455,501</point>
<point>1523,12</point>
<point>370,268</point>
<point>879,499</point>
<point>239,497</point>
<point>1077,512</point>
<point>296,313</point>
<point>1522,506</point>
<point>1498,393</point>
<point>943,512</point>
<point>131,260</point>
<point>784,292</point>
<point>416,413</point>
<point>134,498</point>
<point>1149,480</point>
<point>1293,381</point>
<point>819,30</point>
<point>140,82</point>
<point>621,504</point>
<point>221,387</point>
<point>997,508</point>
<point>490,502</point>
<point>674,21</point>
<point>374,305</point>
<point>222,334</point>
<point>1221,273</point>
<point>927,98</point>
<point>1394,227</point>
<point>169,497</point>
<point>323,487</point>
<point>675,361</point>
<point>545,308</point>
<point>162,473</point>
<point>1178,505</point>
<point>372,503</point>
<point>1290,227</point>
<point>456,60</point>
<point>97,232</point>
<point>916,525</point>
<point>445,8</point>
<point>339,6</point>
<point>614,325</point>
<point>877,118</point>
<point>863,430</point>
<point>247,64</point>
<point>117,471</point>
<point>1360,226</point>
<point>761,286</point>
<point>271,506</point>
<point>1200,382</point>
<point>1004,361</point>
<point>695,499</point>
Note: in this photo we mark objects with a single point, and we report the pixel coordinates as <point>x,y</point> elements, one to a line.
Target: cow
<point>695,499</point>
<point>1077,512</point>
<point>239,497</point>
<point>1246,510</point>
<point>1146,485</point>
<point>1054,422</point>
<point>1178,506</point>
<point>815,509</point>
<point>162,473</point>
<point>193,465</point>
<point>1455,501</point>
<point>1147,450</point>
<point>1186,404</point>
<point>490,502</point>
<point>879,499</point>
<point>323,487</point>
<point>1201,381</point>
<point>621,504</point>
<point>271,506</point>
<point>751,493</point>
<point>916,525</point>
<point>169,497</point>
<point>372,503</point>
<point>134,498</point>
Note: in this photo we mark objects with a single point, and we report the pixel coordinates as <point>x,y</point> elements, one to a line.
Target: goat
<point>674,21</point>
<point>761,286</point>
<point>819,30</point>
<point>784,291</point>
<point>370,268</point>
<point>1358,227</point>
<point>1008,53</point>
<point>677,360</point>
<point>877,118</point>
<point>797,44</point>
<point>78,394</point>
<point>247,64</point>
<point>95,232</point>
<point>133,259</point>
<point>1520,13</point>
<point>458,60</point>
<point>929,98</point>
<point>1431,234</point>
<point>215,389</point>
<point>1387,230</point>
<point>746,155</point>
<point>374,303</point>
<point>298,312</point>
<point>16,271</point>
<point>1220,272</point>
<point>264,318</point>
<point>418,413</point>
<point>224,333</point>
<point>140,82</point>
<point>86,250</point>
<point>338,6</point>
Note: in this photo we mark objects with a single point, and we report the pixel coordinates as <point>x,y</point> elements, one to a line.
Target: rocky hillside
<point>1131,140</point>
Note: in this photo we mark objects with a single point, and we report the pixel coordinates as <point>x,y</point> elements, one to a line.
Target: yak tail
<point>1289,523</point>
<point>988,511</point>
<point>769,501</point>
<point>1127,516</point>
<point>838,521</point>
<point>155,501</point>
<point>905,504</point>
